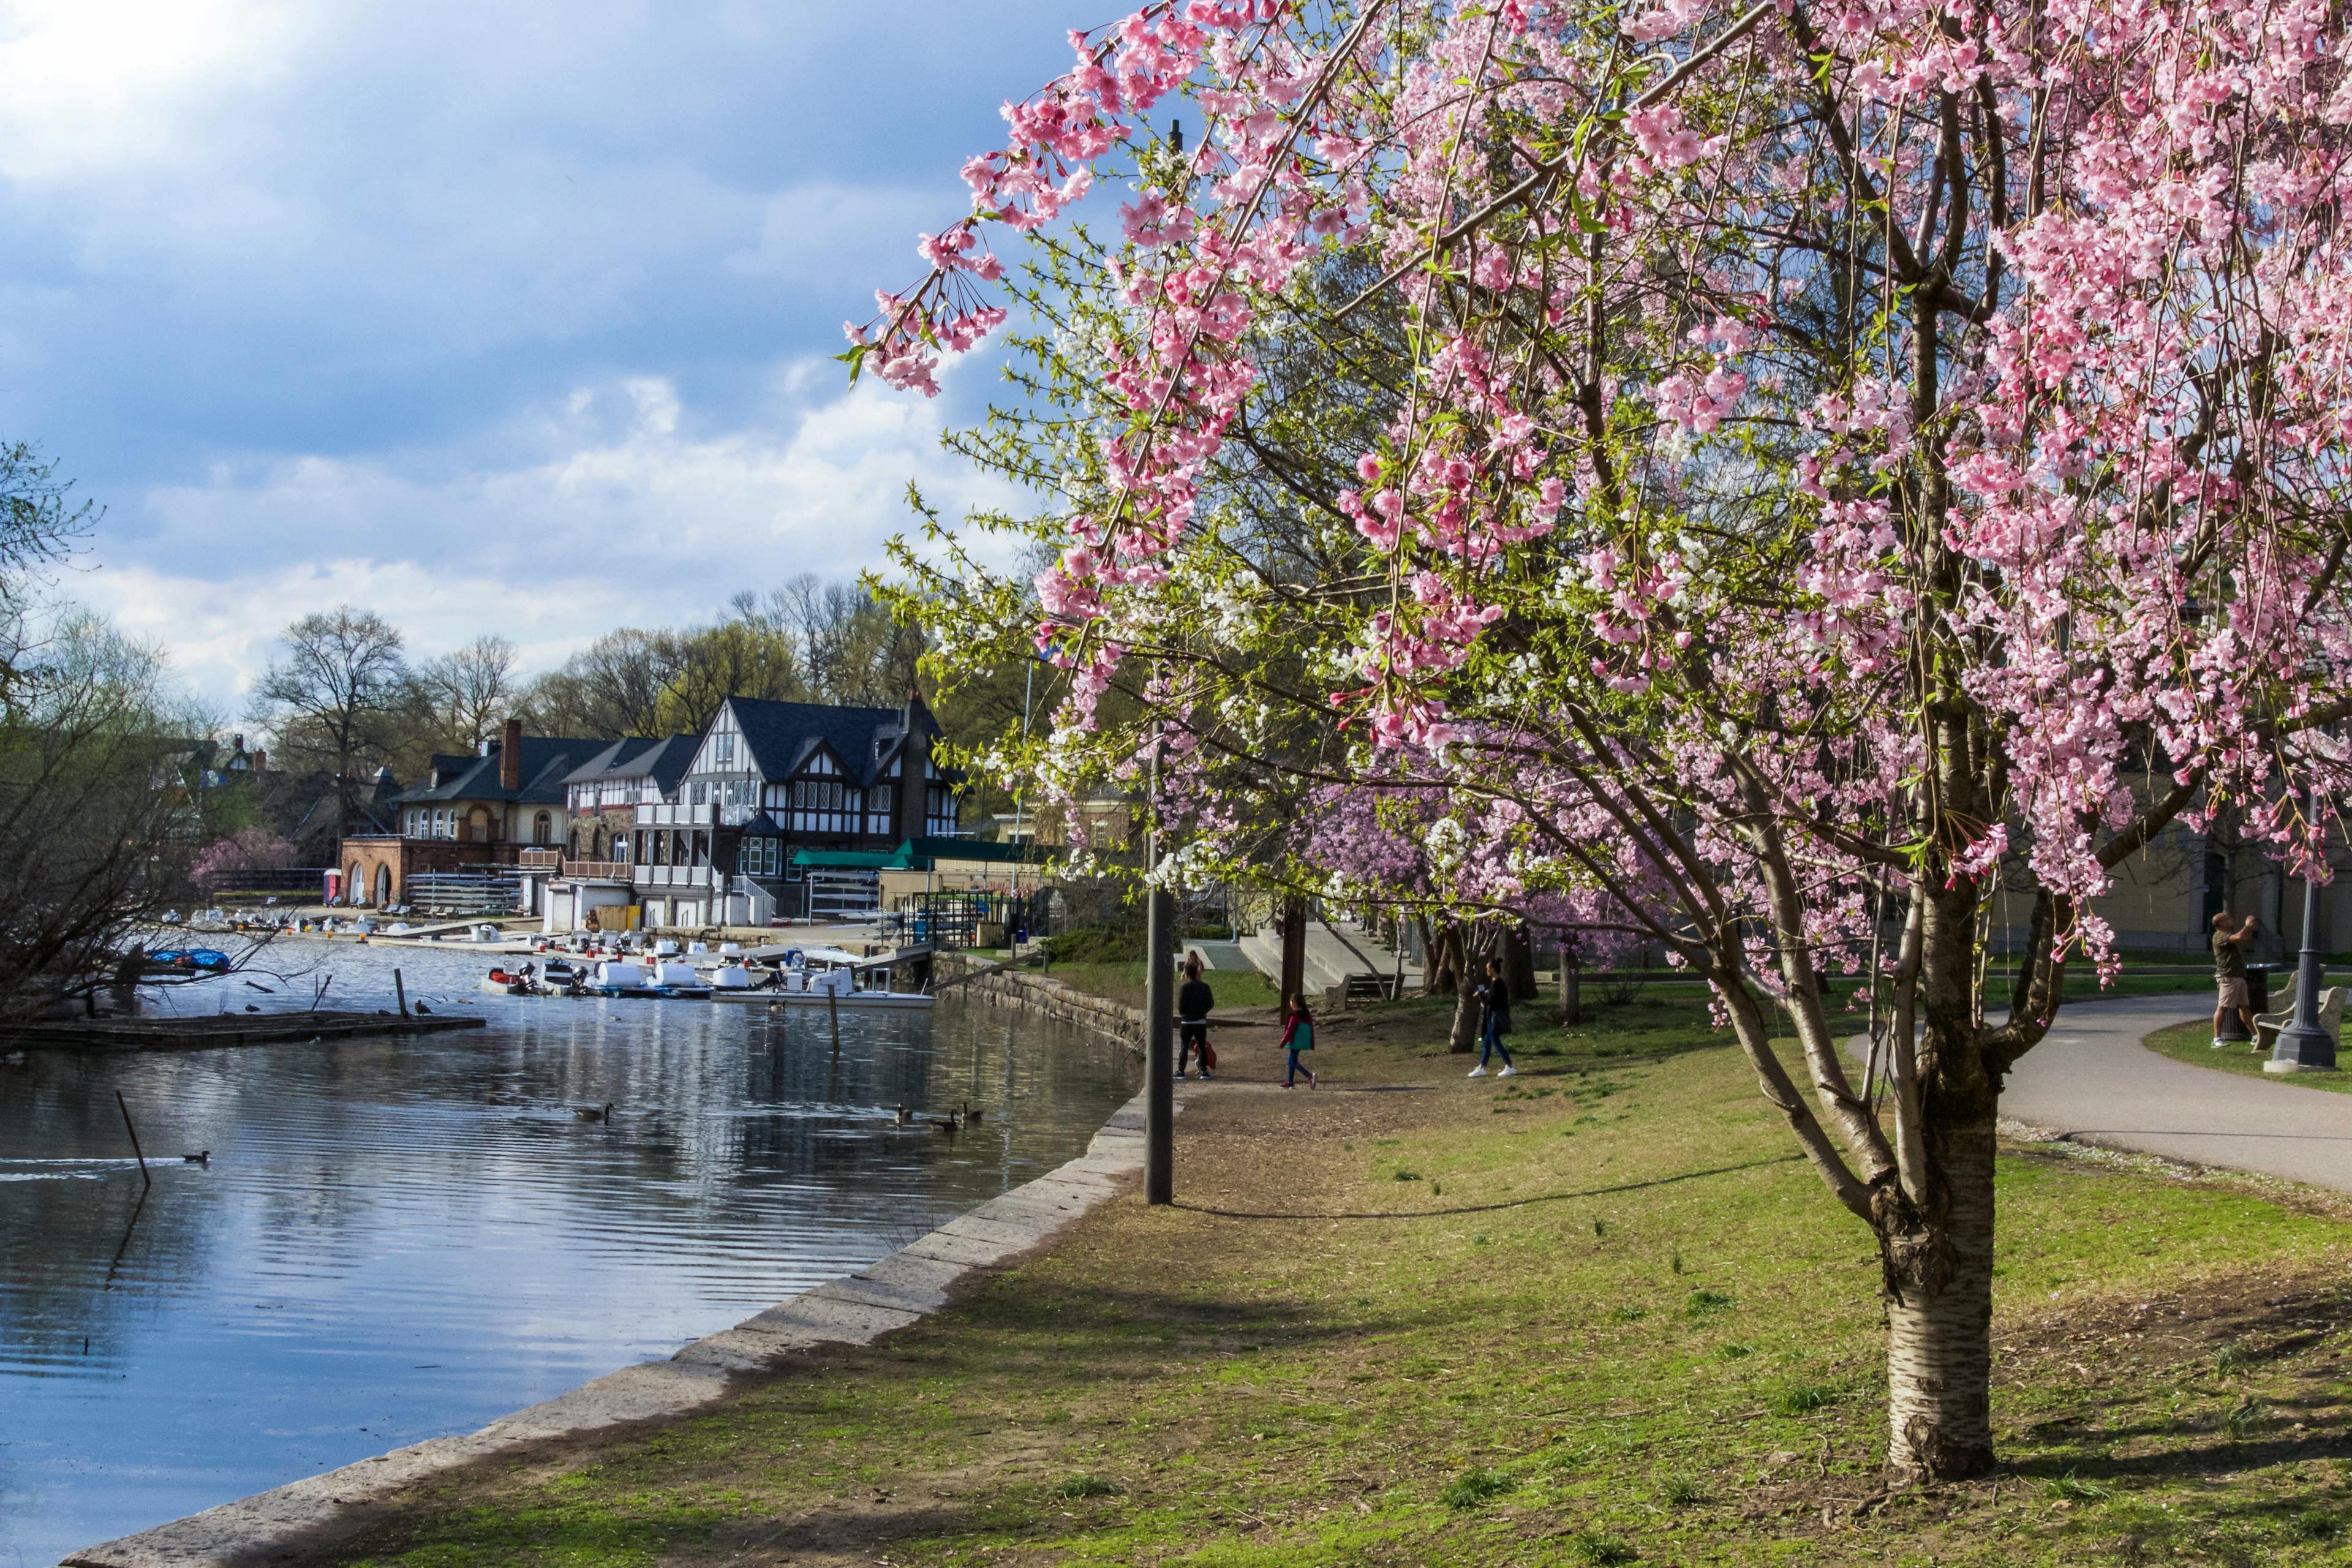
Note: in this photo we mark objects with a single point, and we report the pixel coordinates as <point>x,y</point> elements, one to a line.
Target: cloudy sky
<point>489,315</point>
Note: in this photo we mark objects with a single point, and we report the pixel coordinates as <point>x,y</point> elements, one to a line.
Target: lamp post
<point>2303,1046</point>
<point>1159,1010</point>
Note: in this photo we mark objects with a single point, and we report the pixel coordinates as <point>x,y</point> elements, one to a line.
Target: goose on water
<point>900,1116</point>
<point>593,1112</point>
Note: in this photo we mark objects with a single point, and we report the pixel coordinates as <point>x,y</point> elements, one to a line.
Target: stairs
<point>1334,952</point>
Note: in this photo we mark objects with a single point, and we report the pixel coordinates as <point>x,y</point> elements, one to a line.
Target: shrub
<point>1472,1488</point>
<point>1802,1398</point>
<point>1084,1485</point>
<point>1602,1550</point>
<point>1681,1492</point>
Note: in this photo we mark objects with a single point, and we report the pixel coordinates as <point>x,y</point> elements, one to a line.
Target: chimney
<point>914,757</point>
<point>260,761</point>
<point>510,756</point>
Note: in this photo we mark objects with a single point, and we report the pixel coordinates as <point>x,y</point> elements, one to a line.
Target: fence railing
<point>540,859</point>
<point>596,870</point>
<point>489,891</point>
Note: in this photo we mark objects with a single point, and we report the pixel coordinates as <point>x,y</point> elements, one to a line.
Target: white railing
<point>667,816</point>
<point>675,877</point>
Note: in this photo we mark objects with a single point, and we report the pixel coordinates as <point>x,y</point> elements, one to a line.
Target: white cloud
<point>624,514</point>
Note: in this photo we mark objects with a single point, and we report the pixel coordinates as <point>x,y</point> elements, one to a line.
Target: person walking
<point>1193,1000</point>
<point>1297,1037</point>
<point>1494,995</point>
<point>2230,977</point>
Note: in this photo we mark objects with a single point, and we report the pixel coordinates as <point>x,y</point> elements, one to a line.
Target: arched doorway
<point>541,827</point>
<point>382,886</point>
<point>354,884</point>
<point>477,825</point>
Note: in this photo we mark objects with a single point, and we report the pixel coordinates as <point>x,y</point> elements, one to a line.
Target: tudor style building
<point>772,778</point>
<point>602,799</point>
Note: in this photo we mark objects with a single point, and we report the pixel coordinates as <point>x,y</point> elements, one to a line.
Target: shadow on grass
<point>1509,1203</point>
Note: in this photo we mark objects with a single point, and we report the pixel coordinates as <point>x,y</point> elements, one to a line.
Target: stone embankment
<point>1033,993</point>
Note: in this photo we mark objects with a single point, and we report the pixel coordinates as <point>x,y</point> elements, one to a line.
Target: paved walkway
<point>2092,1078</point>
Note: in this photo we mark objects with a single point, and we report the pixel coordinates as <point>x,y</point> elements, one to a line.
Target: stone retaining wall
<point>1033,993</point>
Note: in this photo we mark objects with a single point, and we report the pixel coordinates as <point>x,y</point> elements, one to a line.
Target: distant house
<point>471,813</point>
<point>602,799</point>
<point>770,779</point>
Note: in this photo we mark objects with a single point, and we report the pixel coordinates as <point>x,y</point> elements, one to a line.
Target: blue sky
<point>489,316</point>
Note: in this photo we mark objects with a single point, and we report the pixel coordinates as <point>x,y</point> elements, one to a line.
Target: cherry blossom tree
<point>1827,456</point>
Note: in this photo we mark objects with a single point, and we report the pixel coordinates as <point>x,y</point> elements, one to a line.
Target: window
<point>758,857</point>
<point>722,749</point>
<point>824,805</point>
<point>940,811</point>
<point>542,826</point>
<point>877,809</point>
<point>940,803</point>
<point>621,847</point>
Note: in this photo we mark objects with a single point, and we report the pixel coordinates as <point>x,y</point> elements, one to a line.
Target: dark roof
<point>781,735</point>
<point>763,827</point>
<point>602,765</point>
<point>546,760</point>
<point>664,761</point>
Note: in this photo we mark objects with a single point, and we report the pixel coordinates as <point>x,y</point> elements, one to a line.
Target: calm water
<point>399,1239</point>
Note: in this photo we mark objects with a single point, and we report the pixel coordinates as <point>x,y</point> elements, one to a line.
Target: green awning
<point>918,851</point>
<point>847,859</point>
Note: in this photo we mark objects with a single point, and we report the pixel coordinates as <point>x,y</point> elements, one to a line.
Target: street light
<point>2303,1046</point>
<point>1159,1009</point>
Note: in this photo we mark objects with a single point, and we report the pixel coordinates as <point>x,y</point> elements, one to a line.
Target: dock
<point>152,1034</point>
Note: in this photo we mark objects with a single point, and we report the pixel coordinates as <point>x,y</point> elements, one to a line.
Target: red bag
<point>1208,1056</point>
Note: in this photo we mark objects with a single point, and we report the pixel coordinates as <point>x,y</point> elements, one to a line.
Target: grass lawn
<point>1597,1313</point>
<point>2193,1044</point>
<point>1235,988</point>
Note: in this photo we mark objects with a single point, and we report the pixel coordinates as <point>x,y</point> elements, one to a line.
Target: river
<point>399,1238</point>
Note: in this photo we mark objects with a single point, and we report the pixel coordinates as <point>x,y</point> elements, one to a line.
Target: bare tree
<point>336,689</point>
<point>849,647</point>
<point>95,771</point>
<point>612,687</point>
<point>467,694</point>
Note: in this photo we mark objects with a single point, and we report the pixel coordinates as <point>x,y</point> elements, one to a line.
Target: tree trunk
<point>1294,948</point>
<point>1472,975</point>
<point>1442,970</point>
<point>1939,1319</point>
<point>1519,963</point>
<point>1464,1037</point>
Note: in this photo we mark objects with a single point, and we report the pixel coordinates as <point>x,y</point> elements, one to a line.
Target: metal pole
<point>1158,1042</point>
<point>400,991</point>
<point>134,1139</point>
<point>1159,1009</point>
<point>2303,1046</point>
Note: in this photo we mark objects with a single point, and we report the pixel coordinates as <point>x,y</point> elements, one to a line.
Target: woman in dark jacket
<point>1496,998</point>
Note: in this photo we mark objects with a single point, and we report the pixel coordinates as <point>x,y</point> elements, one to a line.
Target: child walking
<point>1297,1035</point>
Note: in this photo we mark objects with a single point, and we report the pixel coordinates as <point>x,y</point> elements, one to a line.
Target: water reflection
<point>398,1238</point>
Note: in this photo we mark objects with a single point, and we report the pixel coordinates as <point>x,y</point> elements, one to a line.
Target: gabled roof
<point>546,760</point>
<point>663,761</point>
<point>782,735</point>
